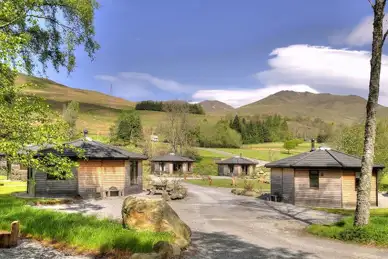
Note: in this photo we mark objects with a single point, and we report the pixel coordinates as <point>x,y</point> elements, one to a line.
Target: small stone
<point>146,256</point>
<point>164,249</point>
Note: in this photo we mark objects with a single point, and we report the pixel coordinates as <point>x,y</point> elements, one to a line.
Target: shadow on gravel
<point>219,245</point>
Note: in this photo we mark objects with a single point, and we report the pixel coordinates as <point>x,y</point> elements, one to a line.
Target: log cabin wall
<point>349,189</point>
<point>44,186</point>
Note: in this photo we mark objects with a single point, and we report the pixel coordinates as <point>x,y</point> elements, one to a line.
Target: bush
<point>219,135</point>
<point>249,185</point>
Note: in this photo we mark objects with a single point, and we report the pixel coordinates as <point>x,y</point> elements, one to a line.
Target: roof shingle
<point>320,159</point>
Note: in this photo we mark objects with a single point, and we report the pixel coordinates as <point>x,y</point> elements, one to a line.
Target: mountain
<point>328,107</point>
<point>214,106</point>
<point>57,93</point>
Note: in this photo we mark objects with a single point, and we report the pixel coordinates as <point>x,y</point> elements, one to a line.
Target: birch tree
<point>363,192</point>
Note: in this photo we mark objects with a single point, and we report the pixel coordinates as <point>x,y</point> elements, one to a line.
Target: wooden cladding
<point>349,189</point>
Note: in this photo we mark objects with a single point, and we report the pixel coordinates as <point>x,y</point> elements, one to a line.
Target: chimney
<point>312,144</point>
<point>85,133</point>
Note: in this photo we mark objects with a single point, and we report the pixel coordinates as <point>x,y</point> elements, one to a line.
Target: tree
<point>70,115</point>
<point>362,213</point>
<point>290,144</point>
<point>127,128</point>
<point>32,33</point>
<point>178,130</point>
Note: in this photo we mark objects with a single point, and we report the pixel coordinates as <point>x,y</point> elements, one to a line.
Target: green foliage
<point>350,140</point>
<point>47,31</point>
<point>163,106</point>
<point>249,185</point>
<point>70,115</point>
<point>36,32</point>
<point>376,232</point>
<point>219,135</point>
<point>205,166</point>
<point>259,130</point>
<point>291,144</point>
<point>87,233</point>
<point>127,129</point>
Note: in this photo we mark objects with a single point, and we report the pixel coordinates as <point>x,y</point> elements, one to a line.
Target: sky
<point>233,51</point>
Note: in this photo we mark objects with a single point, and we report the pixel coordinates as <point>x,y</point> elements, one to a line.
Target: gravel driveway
<point>229,226</point>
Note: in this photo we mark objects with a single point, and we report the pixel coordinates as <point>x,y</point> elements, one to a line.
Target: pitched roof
<point>237,160</point>
<point>320,158</point>
<point>171,158</point>
<point>95,149</point>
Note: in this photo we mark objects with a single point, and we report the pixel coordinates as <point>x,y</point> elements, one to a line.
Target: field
<point>267,151</point>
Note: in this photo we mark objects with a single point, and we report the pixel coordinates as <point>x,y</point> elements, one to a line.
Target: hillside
<point>58,93</point>
<point>214,106</point>
<point>328,107</point>
<point>98,111</point>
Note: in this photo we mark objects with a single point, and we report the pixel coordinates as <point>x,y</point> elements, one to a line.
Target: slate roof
<point>237,160</point>
<point>319,158</point>
<point>171,158</point>
<point>95,149</point>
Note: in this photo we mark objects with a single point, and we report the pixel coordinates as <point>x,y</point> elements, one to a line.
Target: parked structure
<point>107,171</point>
<point>171,163</point>
<point>320,178</point>
<point>237,165</point>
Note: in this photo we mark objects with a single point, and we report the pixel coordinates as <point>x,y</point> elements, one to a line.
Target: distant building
<point>170,164</point>
<point>154,138</point>
<point>236,166</point>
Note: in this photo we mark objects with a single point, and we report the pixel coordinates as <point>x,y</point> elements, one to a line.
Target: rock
<point>238,191</point>
<point>176,250</point>
<point>178,193</point>
<point>164,249</point>
<point>155,215</point>
<point>165,196</point>
<point>146,256</point>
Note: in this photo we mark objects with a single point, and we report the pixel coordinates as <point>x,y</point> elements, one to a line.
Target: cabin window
<point>314,178</point>
<point>189,167</point>
<point>231,168</point>
<point>134,172</point>
<point>177,167</point>
<point>162,166</point>
<point>357,180</point>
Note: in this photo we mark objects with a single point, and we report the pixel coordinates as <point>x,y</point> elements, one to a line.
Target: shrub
<point>248,185</point>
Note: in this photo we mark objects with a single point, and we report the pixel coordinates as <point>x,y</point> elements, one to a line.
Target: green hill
<point>216,107</point>
<point>327,107</point>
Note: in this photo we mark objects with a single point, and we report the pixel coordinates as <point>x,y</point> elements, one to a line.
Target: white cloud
<point>359,35</point>
<point>145,81</point>
<point>324,69</point>
<point>240,97</point>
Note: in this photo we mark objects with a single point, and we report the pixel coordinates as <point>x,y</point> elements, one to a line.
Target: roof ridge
<point>308,153</point>
<point>335,158</point>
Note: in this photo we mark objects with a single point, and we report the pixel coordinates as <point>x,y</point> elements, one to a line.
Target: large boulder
<point>155,215</point>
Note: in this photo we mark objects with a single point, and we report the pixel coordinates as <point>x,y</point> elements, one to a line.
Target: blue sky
<point>234,51</point>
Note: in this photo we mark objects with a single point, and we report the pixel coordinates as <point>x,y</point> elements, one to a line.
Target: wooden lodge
<point>171,163</point>
<point>105,171</point>
<point>320,178</point>
<point>237,166</point>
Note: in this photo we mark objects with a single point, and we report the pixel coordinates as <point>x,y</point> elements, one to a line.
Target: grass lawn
<point>375,233</point>
<point>226,183</point>
<point>83,233</point>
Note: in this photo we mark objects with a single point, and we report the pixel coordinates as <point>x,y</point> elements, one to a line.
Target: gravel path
<point>28,249</point>
<point>237,227</point>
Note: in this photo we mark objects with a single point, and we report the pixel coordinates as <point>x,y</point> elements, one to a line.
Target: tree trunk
<point>363,192</point>
<point>9,170</point>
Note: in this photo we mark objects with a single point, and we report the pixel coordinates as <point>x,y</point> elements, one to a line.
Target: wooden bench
<point>10,239</point>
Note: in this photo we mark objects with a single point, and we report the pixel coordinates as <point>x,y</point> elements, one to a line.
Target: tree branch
<point>14,20</point>
<point>373,6</point>
<point>385,35</point>
<point>52,20</point>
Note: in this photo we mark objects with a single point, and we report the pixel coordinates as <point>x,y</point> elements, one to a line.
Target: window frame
<point>314,173</point>
<point>134,172</point>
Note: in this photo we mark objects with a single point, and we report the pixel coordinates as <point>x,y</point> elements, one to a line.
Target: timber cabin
<point>320,178</point>
<point>237,166</point>
<point>106,171</point>
<point>170,164</point>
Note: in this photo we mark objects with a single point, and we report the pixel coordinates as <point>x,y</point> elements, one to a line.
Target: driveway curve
<point>229,226</point>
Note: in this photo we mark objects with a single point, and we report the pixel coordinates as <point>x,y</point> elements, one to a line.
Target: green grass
<point>375,233</point>
<point>205,165</point>
<point>227,183</point>
<point>12,186</point>
<point>84,233</point>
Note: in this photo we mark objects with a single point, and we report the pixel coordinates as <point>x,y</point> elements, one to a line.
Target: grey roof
<point>171,158</point>
<point>320,159</point>
<point>237,160</point>
<point>95,149</point>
